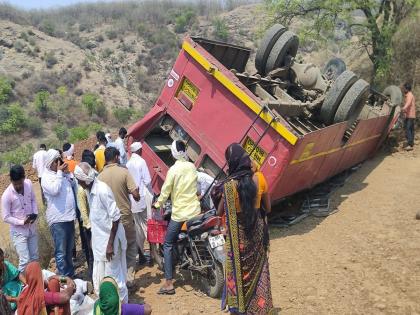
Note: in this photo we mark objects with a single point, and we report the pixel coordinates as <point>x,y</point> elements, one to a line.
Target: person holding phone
<point>20,211</point>
<point>61,210</point>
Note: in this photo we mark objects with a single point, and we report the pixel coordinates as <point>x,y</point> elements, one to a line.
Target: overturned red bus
<point>286,120</point>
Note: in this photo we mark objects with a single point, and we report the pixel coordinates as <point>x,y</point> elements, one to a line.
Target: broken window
<point>160,139</point>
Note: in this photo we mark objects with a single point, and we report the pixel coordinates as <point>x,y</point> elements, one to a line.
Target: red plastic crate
<point>156,231</point>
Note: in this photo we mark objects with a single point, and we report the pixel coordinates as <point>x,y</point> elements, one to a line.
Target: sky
<point>44,4</point>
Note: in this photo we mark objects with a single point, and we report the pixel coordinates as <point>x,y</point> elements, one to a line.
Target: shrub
<point>107,52</point>
<point>127,47</point>
<point>70,78</point>
<point>86,65</point>
<point>47,27</point>
<point>123,115</point>
<point>42,102</point>
<point>102,111</point>
<point>62,91</point>
<point>185,19</point>
<point>19,46</point>
<point>61,132</point>
<point>24,36</point>
<point>5,90</point>
<point>50,59</point>
<point>111,34</point>
<point>32,41</point>
<point>15,119</point>
<point>92,102</point>
<point>99,38</point>
<point>20,155</point>
<point>78,134</point>
<point>34,125</point>
<point>78,92</point>
<point>220,29</point>
<point>83,132</point>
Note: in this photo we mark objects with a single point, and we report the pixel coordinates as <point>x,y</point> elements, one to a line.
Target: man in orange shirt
<point>409,111</point>
<point>68,151</point>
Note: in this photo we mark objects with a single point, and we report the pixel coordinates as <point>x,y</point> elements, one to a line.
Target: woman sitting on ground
<point>34,300</point>
<point>109,302</point>
<point>11,281</point>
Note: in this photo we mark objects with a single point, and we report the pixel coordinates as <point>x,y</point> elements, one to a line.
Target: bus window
<point>160,139</point>
<point>212,168</point>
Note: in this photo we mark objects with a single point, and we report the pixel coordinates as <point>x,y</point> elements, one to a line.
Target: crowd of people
<point>110,197</point>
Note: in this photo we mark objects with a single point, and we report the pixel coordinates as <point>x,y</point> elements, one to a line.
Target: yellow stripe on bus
<point>241,95</point>
<point>310,157</point>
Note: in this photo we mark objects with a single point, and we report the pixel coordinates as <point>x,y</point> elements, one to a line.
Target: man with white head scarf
<point>61,210</point>
<point>181,185</point>
<point>109,244</point>
<point>139,171</point>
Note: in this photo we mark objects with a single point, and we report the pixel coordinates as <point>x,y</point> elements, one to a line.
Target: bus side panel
<point>307,161</point>
<point>363,141</point>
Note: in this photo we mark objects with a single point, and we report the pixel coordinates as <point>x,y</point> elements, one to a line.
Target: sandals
<point>164,291</point>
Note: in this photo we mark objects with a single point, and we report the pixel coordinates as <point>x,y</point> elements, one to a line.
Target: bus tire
<point>334,68</point>
<point>394,93</point>
<point>286,45</point>
<point>352,103</point>
<point>334,96</point>
<point>266,44</point>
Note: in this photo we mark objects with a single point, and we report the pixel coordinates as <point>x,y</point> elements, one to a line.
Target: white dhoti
<point>142,211</point>
<point>116,268</point>
<point>140,221</point>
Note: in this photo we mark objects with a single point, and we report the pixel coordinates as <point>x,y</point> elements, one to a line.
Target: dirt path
<point>362,260</point>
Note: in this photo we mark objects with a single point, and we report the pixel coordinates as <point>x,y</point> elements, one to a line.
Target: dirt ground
<point>361,260</point>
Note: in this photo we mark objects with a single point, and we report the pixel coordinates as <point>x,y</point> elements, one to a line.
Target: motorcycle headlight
<point>204,236</point>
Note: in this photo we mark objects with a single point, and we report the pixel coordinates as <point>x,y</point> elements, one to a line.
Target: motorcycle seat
<point>205,225</point>
<point>197,220</point>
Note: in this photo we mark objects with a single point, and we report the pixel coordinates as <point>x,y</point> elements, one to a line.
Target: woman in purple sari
<point>247,280</point>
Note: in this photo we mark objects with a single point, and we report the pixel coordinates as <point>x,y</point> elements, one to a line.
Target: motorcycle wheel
<point>156,251</point>
<point>214,282</point>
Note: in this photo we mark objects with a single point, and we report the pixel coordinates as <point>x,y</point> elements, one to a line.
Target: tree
<point>15,120</point>
<point>5,90</point>
<point>42,102</point>
<point>92,103</point>
<point>378,23</point>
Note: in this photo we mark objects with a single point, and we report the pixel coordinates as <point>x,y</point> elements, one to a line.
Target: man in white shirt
<point>204,181</point>
<point>109,244</point>
<point>139,171</point>
<point>38,164</point>
<point>61,210</point>
<point>120,145</point>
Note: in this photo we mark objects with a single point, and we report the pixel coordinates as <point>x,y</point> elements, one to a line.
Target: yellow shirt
<point>83,205</point>
<point>100,158</point>
<point>181,185</point>
<point>262,188</point>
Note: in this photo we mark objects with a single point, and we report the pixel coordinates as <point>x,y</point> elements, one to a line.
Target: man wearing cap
<point>61,210</point>
<point>68,152</point>
<point>138,169</point>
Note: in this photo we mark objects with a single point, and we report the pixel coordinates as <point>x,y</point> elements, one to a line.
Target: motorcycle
<point>199,249</point>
